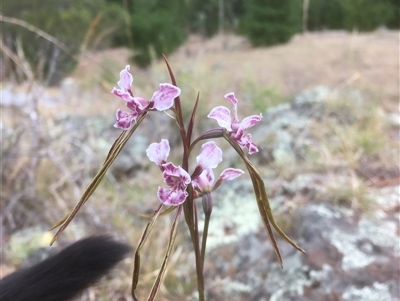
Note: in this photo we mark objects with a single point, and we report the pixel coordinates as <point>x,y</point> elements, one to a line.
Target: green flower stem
<point>205,235</point>
<point>189,210</point>
<point>207,203</point>
<point>199,262</point>
<point>189,207</point>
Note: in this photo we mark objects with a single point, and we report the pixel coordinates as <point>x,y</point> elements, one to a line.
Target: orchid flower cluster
<point>182,185</point>
<point>174,176</point>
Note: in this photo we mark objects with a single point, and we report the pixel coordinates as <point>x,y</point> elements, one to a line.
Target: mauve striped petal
<point>204,181</point>
<point>126,79</point>
<point>175,175</point>
<point>210,156</point>
<point>246,141</point>
<point>231,97</point>
<point>164,97</point>
<point>171,197</point>
<point>247,123</point>
<point>125,119</point>
<point>223,116</point>
<point>231,173</point>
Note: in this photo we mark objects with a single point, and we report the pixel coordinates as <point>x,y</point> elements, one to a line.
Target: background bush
<point>75,23</point>
<point>366,15</point>
<point>269,22</point>
<point>152,27</point>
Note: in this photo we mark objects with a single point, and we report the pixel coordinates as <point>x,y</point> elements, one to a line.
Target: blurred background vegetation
<point>53,143</point>
<point>152,27</point>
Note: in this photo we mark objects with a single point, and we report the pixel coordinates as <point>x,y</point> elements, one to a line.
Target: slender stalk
<point>199,262</point>
<point>189,206</point>
<point>207,203</point>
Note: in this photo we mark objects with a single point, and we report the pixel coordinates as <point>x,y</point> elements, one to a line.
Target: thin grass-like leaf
<point>162,213</point>
<point>163,268</point>
<point>145,235</point>
<point>112,155</point>
<point>264,217</point>
<point>263,202</point>
<point>178,110</point>
<point>92,186</point>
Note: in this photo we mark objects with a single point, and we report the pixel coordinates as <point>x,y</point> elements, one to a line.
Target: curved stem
<point>214,133</point>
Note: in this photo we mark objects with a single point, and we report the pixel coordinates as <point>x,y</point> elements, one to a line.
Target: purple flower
<point>174,176</point>
<point>224,119</point>
<point>177,179</point>
<point>209,158</point>
<point>161,100</point>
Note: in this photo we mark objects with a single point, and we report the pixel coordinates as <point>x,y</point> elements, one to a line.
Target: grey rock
<point>350,256</point>
<point>283,134</point>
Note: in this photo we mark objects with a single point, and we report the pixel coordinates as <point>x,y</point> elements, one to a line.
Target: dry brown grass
<point>368,61</point>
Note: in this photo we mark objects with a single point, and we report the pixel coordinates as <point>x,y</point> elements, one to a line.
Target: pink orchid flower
<point>161,100</point>
<point>177,179</point>
<point>223,117</point>
<point>209,158</point>
<point>174,176</point>
<point>205,183</point>
<point>159,152</point>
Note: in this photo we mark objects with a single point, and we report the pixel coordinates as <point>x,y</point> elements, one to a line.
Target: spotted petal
<point>125,119</point>
<point>175,176</point>
<point>171,197</point>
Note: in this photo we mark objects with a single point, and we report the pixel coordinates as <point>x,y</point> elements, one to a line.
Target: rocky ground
<point>353,252</point>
